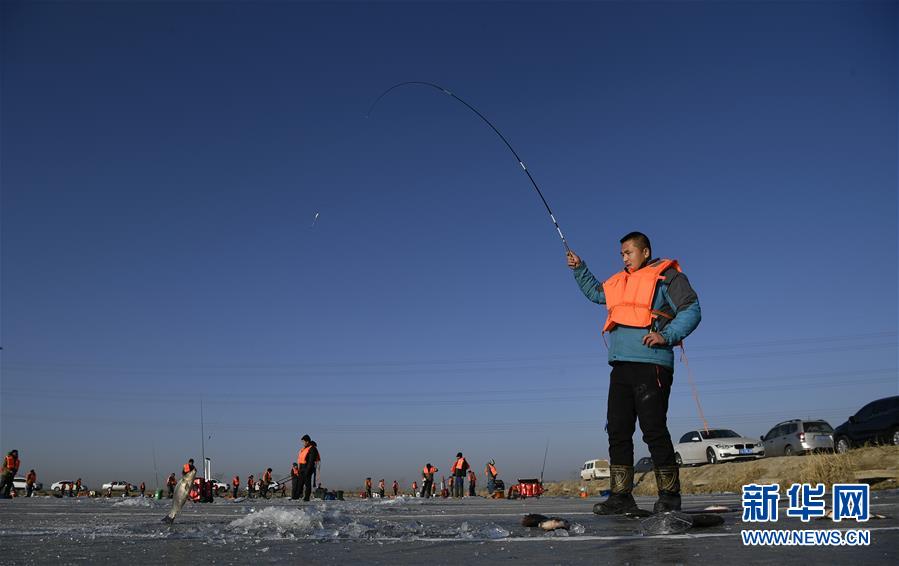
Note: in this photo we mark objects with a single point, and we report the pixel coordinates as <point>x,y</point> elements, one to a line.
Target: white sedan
<point>118,486</point>
<point>716,445</point>
<point>20,482</point>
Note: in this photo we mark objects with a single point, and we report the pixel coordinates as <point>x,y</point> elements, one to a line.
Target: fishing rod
<point>502,137</point>
<point>545,452</point>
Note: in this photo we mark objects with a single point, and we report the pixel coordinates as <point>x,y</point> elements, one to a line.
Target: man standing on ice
<point>307,460</point>
<point>652,308</point>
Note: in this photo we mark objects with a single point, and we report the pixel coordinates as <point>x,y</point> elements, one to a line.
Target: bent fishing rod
<point>502,137</point>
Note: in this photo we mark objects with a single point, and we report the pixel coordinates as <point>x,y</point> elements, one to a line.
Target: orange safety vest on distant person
<point>236,481</point>
<point>458,464</point>
<point>428,471</point>
<point>629,295</point>
<point>491,470</point>
<point>186,468</point>
<point>12,463</point>
<point>301,457</point>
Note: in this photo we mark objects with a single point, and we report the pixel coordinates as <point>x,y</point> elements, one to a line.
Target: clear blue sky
<point>162,164</point>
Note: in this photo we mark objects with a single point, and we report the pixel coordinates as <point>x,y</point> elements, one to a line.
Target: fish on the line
<point>182,492</point>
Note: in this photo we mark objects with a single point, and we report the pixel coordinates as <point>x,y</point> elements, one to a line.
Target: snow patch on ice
<point>134,502</point>
<point>277,520</point>
<point>489,531</point>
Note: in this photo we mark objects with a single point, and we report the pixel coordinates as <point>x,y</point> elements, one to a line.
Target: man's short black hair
<point>640,239</point>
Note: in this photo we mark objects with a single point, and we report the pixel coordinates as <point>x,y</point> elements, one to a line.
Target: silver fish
<point>179,498</point>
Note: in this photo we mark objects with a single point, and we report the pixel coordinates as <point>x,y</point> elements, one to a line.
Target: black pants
<point>426,488</point>
<point>458,486</point>
<point>471,491</point>
<point>306,483</point>
<point>6,484</point>
<point>295,487</point>
<point>235,492</point>
<point>639,391</point>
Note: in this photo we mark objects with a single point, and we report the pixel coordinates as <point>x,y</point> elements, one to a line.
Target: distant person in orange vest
<point>11,465</point>
<point>381,488</point>
<point>309,459</point>
<point>235,486</point>
<point>143,489</point>
<point>251,485</point>
<point>427,480</point>
<point>30,479</point>
<point>295,481</point>
<point>265,483</point>
<point>78,487</point>
<point>459,470</point>
<point>171,483</point>
<point>188,467</point>
<point>651,309</point>
<point>396,488</point>
<point>415,488</point>
<point>472,480</point>
<point>367,487</point>
<point>491,473</point>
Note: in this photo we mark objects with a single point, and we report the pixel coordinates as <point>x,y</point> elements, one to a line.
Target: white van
<point>595,470</point>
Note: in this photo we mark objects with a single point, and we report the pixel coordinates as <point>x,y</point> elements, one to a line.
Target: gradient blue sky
<point>162,164</point>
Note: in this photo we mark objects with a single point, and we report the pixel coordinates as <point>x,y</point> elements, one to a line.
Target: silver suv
<point>798,436</point>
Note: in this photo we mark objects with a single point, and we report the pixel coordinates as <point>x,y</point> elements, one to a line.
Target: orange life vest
<point>491,470</point>
<point>236,481</point>
<point>428,471</point>
<point>187,468</point>
<point>629,295</point>
<point>12,463</point>
<point>304,453</point>
<point>458,465</point>
<point>294,472</point>
<point>250,481</point>
<point>267,478</point>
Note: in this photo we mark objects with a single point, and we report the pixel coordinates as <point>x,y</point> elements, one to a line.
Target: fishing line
<point>502,137</point>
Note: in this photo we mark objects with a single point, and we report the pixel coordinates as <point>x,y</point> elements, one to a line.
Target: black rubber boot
<point>620,501</point>
<point>668,482</point>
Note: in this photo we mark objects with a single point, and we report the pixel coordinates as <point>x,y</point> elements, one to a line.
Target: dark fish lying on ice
<point>544,522</point>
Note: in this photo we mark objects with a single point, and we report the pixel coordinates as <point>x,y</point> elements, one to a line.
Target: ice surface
<point>135,502</point>
<point>666,524</point>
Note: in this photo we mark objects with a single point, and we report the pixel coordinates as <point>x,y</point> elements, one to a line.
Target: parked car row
<point>875,423</point>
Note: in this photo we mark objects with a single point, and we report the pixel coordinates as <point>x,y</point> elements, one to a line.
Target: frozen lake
<point>413,531</point>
